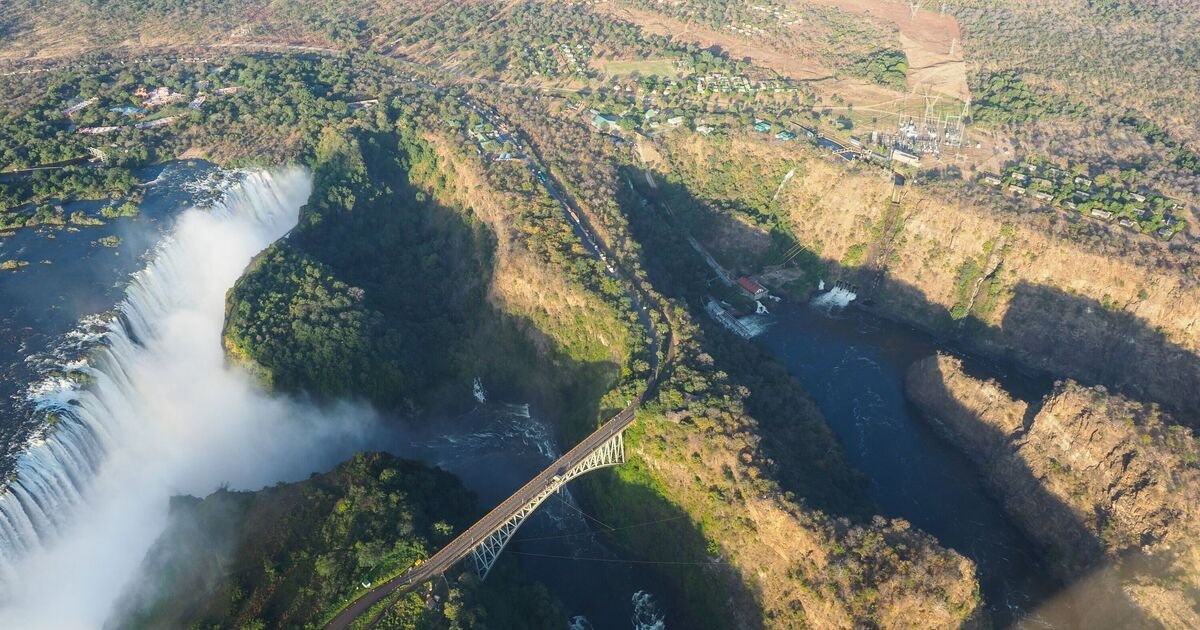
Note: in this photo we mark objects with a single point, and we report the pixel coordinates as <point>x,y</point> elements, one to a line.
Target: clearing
<point>644,67</point>
<point>926,38</point>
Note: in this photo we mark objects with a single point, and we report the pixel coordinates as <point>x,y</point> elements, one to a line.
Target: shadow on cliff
<point>1095,343</point>
<point>1044,329</point>
<point>1040,320</point>
<point>422,271</point>
<point>638,522</point>
<point>1092,594</point>
<point>802,453</point>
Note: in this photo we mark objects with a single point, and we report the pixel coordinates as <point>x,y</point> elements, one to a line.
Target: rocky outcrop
<point>1109,487</point>
<point>951,258</point>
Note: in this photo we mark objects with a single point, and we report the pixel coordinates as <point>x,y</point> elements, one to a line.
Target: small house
<point>1013,188</point>
<point>1043,195</point>
<point>752,288</point>
<point>1128,223</point>
<point>991,180</point>
<point>785,135</point>
<point>1102,214</point>
<point>905,157</point>
<point>762,126</point>
<point>604,121</point>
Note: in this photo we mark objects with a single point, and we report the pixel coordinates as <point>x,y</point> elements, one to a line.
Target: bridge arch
<point>487,550</point>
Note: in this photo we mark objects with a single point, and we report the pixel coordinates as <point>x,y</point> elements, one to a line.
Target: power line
<point>618,560</point>
<point>615,529</point>
<point>585,514</point>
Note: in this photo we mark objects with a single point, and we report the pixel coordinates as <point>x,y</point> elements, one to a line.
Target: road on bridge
<point>458,549</point>
<point>461,546</point>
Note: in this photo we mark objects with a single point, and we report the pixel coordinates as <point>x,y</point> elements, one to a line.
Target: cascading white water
<point>162,414</point>
<point>88,422</point>
<point>837,298</point>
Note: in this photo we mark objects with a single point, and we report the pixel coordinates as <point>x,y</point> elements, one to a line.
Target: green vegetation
<point>127,209</point>
<point>374,290</point>
<point>888,68</point>
<point>110,241</point>
<point>1105,197</point>
<point>855,255</point>
<point>1004,97</point>
<point>658,67</point>
<point>80,217</point>
<point>291,555</point>
<point>1179,154</point>
<point>964,288</point>
<point>69,183</point>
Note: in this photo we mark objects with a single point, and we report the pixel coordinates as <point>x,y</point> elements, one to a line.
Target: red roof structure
<point>756,290</point>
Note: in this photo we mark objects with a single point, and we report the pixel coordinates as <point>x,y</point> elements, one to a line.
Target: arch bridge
<point>484,540</point>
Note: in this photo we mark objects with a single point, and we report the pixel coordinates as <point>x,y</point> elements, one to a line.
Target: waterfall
<point>152,409</point>
<point>838,297</point>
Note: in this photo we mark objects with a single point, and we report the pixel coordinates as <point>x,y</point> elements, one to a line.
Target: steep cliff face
<point>752,554</point>
<point>1107,485</point>
<point>1020,284</point>
<point>289,556</point>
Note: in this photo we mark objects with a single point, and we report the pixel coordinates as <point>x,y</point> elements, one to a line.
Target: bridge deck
<point>462,545</point>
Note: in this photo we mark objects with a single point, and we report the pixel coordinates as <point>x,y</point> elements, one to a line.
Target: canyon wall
<point>1108,487</point>
<point>1030,286</point>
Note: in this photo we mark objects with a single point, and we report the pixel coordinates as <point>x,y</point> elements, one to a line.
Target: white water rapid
<point>837,298</point>
<point>164,414</point>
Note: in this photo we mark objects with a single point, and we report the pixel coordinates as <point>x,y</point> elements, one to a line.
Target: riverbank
<point>853,365</point>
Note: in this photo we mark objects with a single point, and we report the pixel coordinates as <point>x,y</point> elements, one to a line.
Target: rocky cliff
<point>1108,486</point>
<point>1002,277</point>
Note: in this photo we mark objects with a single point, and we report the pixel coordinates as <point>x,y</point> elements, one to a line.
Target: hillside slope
<point>1108,486</point>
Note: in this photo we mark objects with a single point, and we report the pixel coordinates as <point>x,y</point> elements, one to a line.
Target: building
<point>991,180</point>
<point>905,157</point>
<point>785,135</point>
<point>752,288</point>
<point>604,121</point>
<point>1102,214</point>
<point>762,126</point>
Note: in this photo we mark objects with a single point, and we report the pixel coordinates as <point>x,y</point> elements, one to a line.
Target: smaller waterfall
<point>478,391</point>
<point>837,298</point>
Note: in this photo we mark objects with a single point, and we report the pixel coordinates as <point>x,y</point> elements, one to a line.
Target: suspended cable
<point>615,529</point>
<point>618,560</point>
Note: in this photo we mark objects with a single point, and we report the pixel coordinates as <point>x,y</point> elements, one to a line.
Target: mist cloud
<point>183,422</point>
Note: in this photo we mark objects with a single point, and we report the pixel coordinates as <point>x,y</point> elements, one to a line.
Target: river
<point>853,365</point>
<point>118,395</point>
<point>166,415</point>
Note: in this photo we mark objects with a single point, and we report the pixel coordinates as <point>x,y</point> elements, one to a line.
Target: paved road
<point>458,549</point>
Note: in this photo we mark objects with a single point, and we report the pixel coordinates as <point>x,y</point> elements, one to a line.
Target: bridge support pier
<point>485,553</point>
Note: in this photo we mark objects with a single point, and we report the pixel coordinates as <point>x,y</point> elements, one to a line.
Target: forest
<point>290,555</point>
<point>321,312</point>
